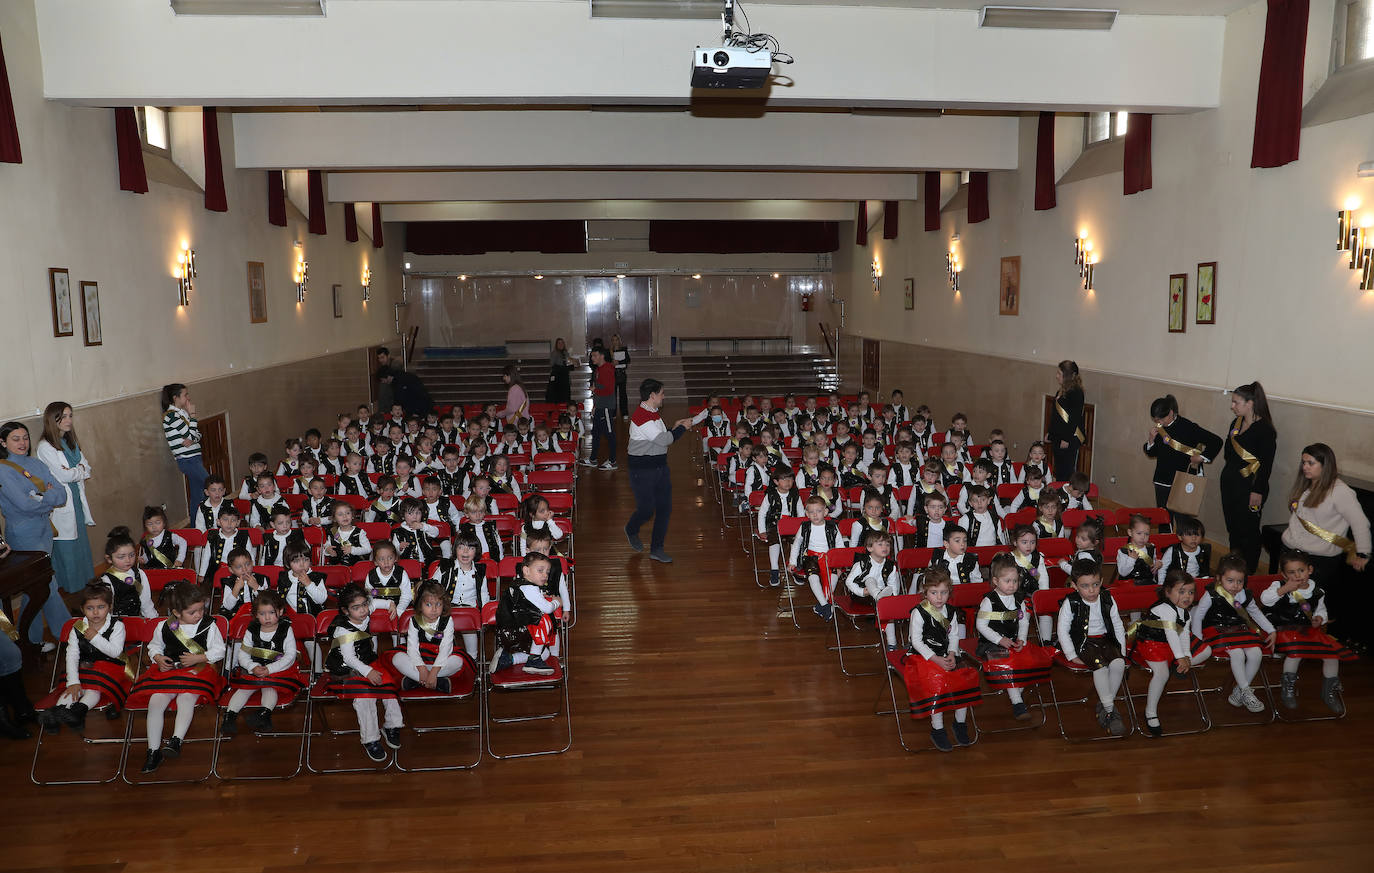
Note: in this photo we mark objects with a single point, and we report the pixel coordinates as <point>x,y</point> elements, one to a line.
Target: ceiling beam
<point>635,210</point>
<point>617,186</point>
<point>649,140</point>
<point>552,51</point>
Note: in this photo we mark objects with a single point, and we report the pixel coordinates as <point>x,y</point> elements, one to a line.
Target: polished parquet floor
<point>712,736</point>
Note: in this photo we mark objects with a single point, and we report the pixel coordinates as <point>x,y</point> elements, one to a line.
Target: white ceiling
<point>1128,7</point>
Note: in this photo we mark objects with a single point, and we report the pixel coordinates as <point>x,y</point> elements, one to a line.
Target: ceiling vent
<point>1045,18</point>
<point>249,7</point>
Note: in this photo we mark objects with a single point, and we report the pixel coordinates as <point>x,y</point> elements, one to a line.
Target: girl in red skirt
<point>185,650</point>
<point>96,667</point>
<point>1229,620</point>
<point>934,684</point>
<point>1297,607</point>
<point>359,673</point>
<point>265,663</point>
<point>1010,661</point>
<point>1163,636</point>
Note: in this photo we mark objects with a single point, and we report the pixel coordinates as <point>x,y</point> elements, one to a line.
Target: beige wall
<point>63,208</point>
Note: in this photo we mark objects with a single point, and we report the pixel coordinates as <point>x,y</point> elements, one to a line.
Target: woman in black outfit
<point>1249,452</point>
<point>560,370</point>
<point>1177,445</point>
<point>1066,424</point>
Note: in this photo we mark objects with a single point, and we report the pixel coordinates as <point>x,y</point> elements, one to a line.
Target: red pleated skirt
<point>931,688</point>
<point>288,682</point>
<point>1224,639</point>
<point>1019,669</point>
<point>354,687</point>
<point>202,680</point>
<point>1311,642</point>
<point>109,678</point>
<point>1152,650</point>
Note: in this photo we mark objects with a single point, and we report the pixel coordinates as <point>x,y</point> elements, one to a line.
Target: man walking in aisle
<point>648,461</point>
<point>603,409</point>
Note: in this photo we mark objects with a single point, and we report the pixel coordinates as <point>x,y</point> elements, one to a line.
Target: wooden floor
<point>711,736</point>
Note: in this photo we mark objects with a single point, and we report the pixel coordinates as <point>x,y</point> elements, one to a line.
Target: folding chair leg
<point>564,710</point>
<point>1059,705</point>
<point>303,735</point>
<point>1262,682</point>
<point>86,741</point>
<point>318,706</point>
<point>1195,692</point>
<point>1039,706</point>
<point>841,647</point>
<point>188,742</point>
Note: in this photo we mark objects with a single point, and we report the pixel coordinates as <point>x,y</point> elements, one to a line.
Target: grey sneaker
<point>1251,702</point>
<point>1115,726</point>
<point>1331,694</point>
<point>1237,698</point>
<point>1288,690</point>
<point>661,556</point>
<point>635,542</point>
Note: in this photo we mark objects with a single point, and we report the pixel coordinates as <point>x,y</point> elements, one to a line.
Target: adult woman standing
<point>620,356</point>
<point>517,403</point>
<point>1249,453</point>
<point>28,496</point>
<point>1066,425</point>
<point>71,548</point>
<point>1327,523</point>
<point>182,431</point>
<point>560,378</point>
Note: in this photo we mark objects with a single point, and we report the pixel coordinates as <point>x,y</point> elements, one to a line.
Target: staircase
<point>478,379</point>
<point>667,370</point>
<point>799,373</point>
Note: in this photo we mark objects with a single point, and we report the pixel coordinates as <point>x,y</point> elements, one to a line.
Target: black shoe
<point>635,542</point>
<point>229,725</point>
<point>392,737</point>
<point>153,761</point>
<point>825,611</point>
<point>443,685</point>
<point>254,719</point>
<point>11,729</point>
<point>263,724</point>
<point>1020,711</point>
<point>1153,727</point>
<point>375,751</point>
<point>75,717</point>
<point>538,667</point>
<point>408,684</point>
<point>173,749</point>
<point>12,692</point>
<point>940,737</point>
<point>773,579</point>
<point>112,713</point>
<point>51,721</point>
<point>961,734</point>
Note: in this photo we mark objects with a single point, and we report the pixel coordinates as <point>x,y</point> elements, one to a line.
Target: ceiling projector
<point>730,67</point>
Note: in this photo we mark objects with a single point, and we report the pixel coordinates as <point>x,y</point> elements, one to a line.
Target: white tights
<point>1046,623</point>
<point>815,582</point>
<point>410,669</point>
<point>774,553</point>
<point>366,708</point>
<point>243,695</point>
<point>1245,664</point>
<point>157,708</point>
<point>91,697</point>
<point>1107,681</point>
<point>1330,667</point>
<point>1160,671</point>
<point>1014,695</point>
<point>937,719</point>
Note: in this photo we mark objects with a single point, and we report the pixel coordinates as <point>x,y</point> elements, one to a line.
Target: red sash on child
<point>542,632</point>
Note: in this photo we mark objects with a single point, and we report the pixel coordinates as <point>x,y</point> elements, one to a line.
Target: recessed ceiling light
<point>1047,18</point>
<point>248,7</point>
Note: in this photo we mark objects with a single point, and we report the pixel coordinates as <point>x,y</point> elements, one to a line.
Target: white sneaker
<point>1251,702</point>
<point>609,465</point>
<point>587,462</point>
<point>49,648</point>
<point>1237,697</point>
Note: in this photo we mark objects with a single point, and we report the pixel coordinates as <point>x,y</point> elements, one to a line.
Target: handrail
<point>825,335</point>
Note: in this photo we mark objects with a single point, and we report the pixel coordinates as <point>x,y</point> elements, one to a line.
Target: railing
<point>825,335</point>
<point>731,345</point>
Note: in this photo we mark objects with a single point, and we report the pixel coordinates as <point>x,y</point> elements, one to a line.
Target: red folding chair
<point>1007,491</point>
<point>1156,516</point>
<point>967,599</point>
<point>1072,518</point>
<point>505,503</point>
<point>303,630</point>
<point>840,561</point>
<point>1046,602</point>
<point>194,537</point>
<point>553,461</point>
<point>376,531</point>
<point>464,687</point>
<point>551,480</point>
<point>137,632</point>
<point>891,610</point>
<point>295,502</point>
<point>911,562</point>
<point>336,576</point>
<point>1020,516</point>
<point>322,694</point>
<point>514,680</point>
<point>359,502</point>
<point>1130,599</point>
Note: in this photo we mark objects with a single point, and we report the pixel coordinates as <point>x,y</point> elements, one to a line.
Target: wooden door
<point>636,317</point>
<point>1085,453</point>
<point>214,447</point>
<point>870,365</point>
<point>603,306</point>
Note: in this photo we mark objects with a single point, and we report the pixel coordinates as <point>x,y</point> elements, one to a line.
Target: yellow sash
<point>1141,553</point>
<point>348,639</point>
<point>158,556</point>
<point>1345,544</point>
<point>1006,615</point>
<point>1022,560</point>
<point>192,647</point>
<point>1154,623</point>
<point>81,626</point>
<point>933,613</point>
<point>7,627</point>
<point>1064,415</point>
<point>38,484</point>
<point>1252,463</point>
<point>1177,446</point>
<point>1240,610</point>
<point>255,652</point>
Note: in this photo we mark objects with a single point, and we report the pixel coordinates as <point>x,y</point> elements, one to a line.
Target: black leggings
<point>1065,461</point>
<point>1162,501</point>
<point>620,382</point>
<point>1242,523</point>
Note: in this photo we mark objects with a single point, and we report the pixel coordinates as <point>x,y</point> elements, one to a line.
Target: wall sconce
<point>185,273</point>
<point>1345,225</point>
<point>538,276</point>
<point>301,277</point>
<point>1362,252</point>
<point>1089,261</point>
<point>876,271</point>
<point>953,267</point>
<point>367,284</point>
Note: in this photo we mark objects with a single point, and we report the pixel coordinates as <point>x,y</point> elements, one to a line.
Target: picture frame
<point>909,293</point>
<point>60,290</point>
<point>338,301</point>
<point>1206,307</point>
<point>1009,286</point>
<point>92,328</point>
<point>1178,303</point>
<point>257,292</point>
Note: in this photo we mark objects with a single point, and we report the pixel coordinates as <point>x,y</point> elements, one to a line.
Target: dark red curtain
<point>477,237</point>
<point>861,225</point>
<point>977,197</point>
<point>350,222</point>
<point>377,226</point>
<point>1137,174</point>
<point>744,237</point>
<point>9,128</point>
<point>1278,109</point>
<point>132,176</point>
<point>1044,162</point>
<point>932,197</point>
<point>215,201</point>
<point>890,213</point>
<point>316,190</point>
<point>276,198</point>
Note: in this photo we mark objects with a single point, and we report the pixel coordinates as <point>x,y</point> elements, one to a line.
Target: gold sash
<point>1252,463</point>
<point>348,639</point>
<point>1154,623</point>
<point>933,613</point>
<point>189,643</point>
<point>1177,446</point>
<point>255,652</point>
<point>1006,615</point>
<point>1345,544</point>
<point>38,484</point>
<point>1022,560</point>
<point>158,556</point>
<point>1240,610</point>
<point>1141,553</point>
<point>1064,415</point>
<point>7,627</point>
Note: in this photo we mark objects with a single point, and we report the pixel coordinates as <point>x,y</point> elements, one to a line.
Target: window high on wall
<point>153,129</point>
<point>1104,127</point>
<point>1354,32</point>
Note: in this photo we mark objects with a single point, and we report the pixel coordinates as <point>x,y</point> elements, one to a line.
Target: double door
<point>620,306</point>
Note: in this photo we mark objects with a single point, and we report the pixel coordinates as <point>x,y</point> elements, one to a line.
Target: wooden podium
<point>25,573</point>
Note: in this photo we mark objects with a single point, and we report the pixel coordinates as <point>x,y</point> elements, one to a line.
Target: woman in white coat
<point>71,548</point>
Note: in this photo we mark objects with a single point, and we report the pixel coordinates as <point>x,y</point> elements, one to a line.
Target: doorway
<point>620,306</point>
<point>214,454</point>
<point>1085,453</point>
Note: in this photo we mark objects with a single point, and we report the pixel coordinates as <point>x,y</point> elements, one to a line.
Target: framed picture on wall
<point>1178,303</point>
<point>60,289</point>
<point>909,293</point>
<point>338,301</point>
<point>1009,287</point>
<point>90,314</point>
<point>257,293</point>
<point>1207,293</point>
